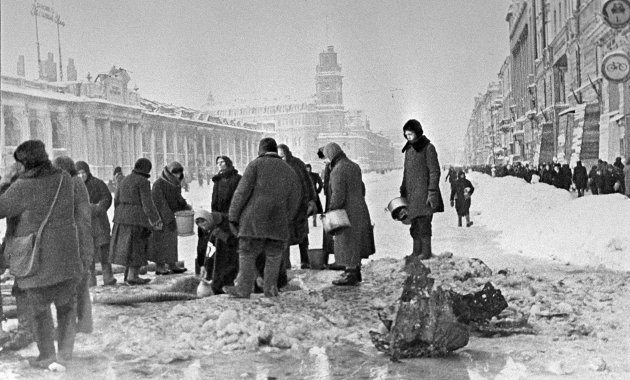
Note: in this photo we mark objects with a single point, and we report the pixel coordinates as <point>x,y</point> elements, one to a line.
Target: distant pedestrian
<point>117,178</point>
<point>167,197</point>
<point>594,180</point>
<point>135,215</point>
<point>264,204</point>
<point>461,199</point>
<point>328,245</point>
<point>580,178</point>
<point>626,175</point>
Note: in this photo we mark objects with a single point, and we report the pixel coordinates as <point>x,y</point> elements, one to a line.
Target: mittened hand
<point>312,208</point>
<point>159,226</point>
<point>433,200</point>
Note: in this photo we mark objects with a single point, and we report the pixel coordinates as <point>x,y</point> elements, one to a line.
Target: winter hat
<point>31,153</point>
<point>117,170</point>
<point>174,168</point>
<point>268,144</point>
<point>332,150</point>
<point>66,164</point>
<point>143,166</point>
<point>284,148</point>
<point>414,126</point>
<point>214,218</point>
<point>320,153</point>
<point>82,165</point>
<point>226,159</point>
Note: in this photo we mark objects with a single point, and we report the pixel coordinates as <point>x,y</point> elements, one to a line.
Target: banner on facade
<point>546,143</point>
<point>590,133</point>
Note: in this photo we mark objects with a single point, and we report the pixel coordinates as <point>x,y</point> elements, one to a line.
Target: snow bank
<point>544,222</point>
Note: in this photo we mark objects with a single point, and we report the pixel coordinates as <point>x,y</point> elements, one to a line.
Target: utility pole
<point>59,22</point>
<point>39,57</point>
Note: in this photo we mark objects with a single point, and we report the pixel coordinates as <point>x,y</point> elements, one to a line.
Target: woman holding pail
<point>347,192</point>
<point>167,196</point>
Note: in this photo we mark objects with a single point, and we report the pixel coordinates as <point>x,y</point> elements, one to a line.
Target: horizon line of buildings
<point>551,100</point>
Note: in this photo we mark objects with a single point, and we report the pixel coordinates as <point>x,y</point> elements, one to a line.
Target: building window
<point>12,133</point>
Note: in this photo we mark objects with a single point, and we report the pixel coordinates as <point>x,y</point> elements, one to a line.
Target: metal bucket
<point>335,221</point>
<point>316,258</point>
<point>395,206</point>
<point>185,221</point>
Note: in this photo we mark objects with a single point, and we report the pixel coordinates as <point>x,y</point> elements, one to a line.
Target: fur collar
<point>224,174</point>
<point>43,170</point>
<point>418,145</point>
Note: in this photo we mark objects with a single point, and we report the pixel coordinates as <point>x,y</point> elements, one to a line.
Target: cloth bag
<point>24,251</point>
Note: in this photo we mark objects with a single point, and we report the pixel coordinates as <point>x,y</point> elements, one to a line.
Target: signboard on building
<point>590,133</point>
<point>616,66</point>
<point>616,13</point>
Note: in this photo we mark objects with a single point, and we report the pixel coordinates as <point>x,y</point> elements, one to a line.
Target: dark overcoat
<point>348,193</point>
<point>30,198</point>
<point>462,205</point>
<point>299,226</point>
<point>133,204</point>
<point>100,202</point>
<point>421,175</point>
<point>223,189</point>
<point>167,197</point>
<point>266,199</point>
<point>580,177</point>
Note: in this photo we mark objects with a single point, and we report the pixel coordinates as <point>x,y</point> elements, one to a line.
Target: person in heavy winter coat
<point>548,175</point>
<point>626,176</point>
<point>135,215</point>
<point>167,197</point>
<point>565,172</point>
<point>224,186</point>
<point>421,186</point>
<point>61,266</point>
<point>328,244</point>
<point>224,268</point>
<point>86,244</point>
<point>557,178</point>
<point>317,182</point>
<point>225,259</point>
<point>347,192</point>
<point>264,205</point>
<point>460,198</point>
<point>100,202</point>
<point>580,178</point>
<point>308,207</point>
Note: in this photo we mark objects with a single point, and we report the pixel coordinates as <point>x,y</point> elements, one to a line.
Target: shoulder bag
<point>24,251</point>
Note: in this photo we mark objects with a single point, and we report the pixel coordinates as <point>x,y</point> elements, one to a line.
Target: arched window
<point>12,132</point>
<point>37,130</point>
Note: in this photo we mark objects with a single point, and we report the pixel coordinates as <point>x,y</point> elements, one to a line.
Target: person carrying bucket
<point>167,196</point>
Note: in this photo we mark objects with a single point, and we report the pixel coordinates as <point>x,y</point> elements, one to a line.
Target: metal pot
<point>395,206</point>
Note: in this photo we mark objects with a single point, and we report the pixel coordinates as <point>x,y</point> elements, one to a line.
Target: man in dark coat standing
<point>100,202</point>
<point>580,178</point>
<point>167,197</point>
<point>263,207</point>
<point>308,207</point>
<point>421,186</point>
<point>317,182</point>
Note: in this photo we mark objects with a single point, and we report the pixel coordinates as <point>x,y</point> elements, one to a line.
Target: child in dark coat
<point>460,198</point>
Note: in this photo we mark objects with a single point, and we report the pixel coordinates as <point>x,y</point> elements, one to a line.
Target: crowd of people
<point>602,178</point>
<point>58,228</point>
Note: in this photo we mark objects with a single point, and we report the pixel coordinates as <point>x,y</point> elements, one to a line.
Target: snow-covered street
<point>534,233</point>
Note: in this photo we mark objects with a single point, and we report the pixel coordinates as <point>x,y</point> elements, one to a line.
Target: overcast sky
<point>400,59</point>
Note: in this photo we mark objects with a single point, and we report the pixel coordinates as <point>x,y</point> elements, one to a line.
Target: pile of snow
<point>545,222</point>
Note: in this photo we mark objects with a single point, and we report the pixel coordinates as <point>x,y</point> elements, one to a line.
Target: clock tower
<point>329,91</point>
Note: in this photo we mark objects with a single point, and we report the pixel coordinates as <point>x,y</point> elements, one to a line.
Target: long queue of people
<point>603,178</point>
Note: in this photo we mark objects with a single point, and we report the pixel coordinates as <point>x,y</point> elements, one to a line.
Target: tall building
<point>311,123</point>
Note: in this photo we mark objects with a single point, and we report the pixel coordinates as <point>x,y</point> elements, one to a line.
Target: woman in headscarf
<point>167,196</point>
<point>347,192</point>
<point>135,216</point>
<point>43,193</point>
<point>86,244</point>
<point>223,188</point>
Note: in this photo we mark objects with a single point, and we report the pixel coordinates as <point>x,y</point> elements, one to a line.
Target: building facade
<point>106,124</point>
<point>561,107</point>
<point>307,125</point>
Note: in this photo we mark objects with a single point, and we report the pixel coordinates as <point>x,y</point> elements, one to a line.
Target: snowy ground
<point>532,232</point>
